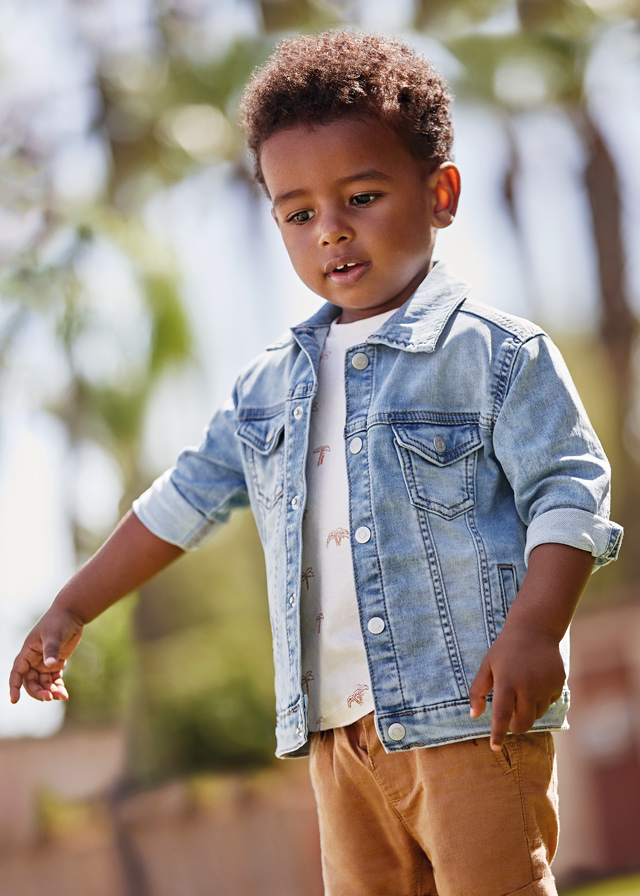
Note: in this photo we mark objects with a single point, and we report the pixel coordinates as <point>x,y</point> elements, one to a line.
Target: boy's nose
<point>335,230</point>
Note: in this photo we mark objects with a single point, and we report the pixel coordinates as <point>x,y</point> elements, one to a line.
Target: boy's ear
<point>444,181</point>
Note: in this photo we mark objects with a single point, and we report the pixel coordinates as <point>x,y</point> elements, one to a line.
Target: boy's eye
<point>364,198</point>
<point>301,217</point>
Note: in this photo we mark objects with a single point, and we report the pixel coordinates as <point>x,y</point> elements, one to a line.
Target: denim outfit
<point>466,446</point>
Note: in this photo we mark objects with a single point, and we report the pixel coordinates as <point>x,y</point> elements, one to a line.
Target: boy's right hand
<point>39,665</point>
<point>129,557</point>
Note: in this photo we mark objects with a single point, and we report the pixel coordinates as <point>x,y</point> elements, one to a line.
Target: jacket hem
<point>431,726</point>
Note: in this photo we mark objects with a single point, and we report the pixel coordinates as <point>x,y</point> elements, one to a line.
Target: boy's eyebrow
<point>367,174</point>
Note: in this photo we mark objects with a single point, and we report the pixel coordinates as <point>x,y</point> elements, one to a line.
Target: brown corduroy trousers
<point>451,820</point>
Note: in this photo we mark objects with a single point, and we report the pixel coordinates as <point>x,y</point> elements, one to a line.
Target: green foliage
<point>441,18</point>
<point>556,61</point>
<point>574,20</point>
<point>220,79</point>
<point>300,15</point>
<point>114,413</point>
<point>203,692</point>
<point>222,725</point>
<point>619,886</point>
<point>170,333</point>
<point>587,361</point>
<point>98,676</point>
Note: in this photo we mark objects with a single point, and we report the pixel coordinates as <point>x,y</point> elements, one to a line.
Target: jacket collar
<point>416,326</point>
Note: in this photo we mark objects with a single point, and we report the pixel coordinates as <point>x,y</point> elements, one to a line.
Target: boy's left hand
<point>524,669</point>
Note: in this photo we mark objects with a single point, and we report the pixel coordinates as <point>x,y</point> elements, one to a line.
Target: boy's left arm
<point>523,667</point>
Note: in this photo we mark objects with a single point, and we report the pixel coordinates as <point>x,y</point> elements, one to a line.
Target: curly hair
<point>316,79</point>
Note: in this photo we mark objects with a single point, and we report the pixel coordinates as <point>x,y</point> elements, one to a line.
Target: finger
<point>524,715</point>
<point>45,693</point>
<point>480,689</point>
<point>37,685</point>
<point>504,704</point>
<point>16,677</point>
<point>51,652</point>
<point>14,689</point>
<point>58,689</point>
<point>44,686</point>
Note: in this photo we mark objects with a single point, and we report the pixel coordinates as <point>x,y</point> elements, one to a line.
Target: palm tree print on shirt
<point>306,678</point>
<point>357,695</point>
<point>337,535</point>
<point>322,450</point>
<point>307,574</point>
<point>319,619</point>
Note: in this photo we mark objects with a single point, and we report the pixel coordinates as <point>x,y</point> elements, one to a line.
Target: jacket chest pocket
<point>438,463</point>
<point>262,435</point>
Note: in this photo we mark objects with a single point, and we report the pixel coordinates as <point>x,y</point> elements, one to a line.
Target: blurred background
<point>139,271</point>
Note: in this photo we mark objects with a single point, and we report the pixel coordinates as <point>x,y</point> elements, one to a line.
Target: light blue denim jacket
<point>466,446</point>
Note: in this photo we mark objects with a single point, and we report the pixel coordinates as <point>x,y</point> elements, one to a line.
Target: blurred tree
<point>159,115</point>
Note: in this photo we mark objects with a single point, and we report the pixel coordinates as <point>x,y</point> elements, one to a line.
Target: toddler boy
<point>429,493</point>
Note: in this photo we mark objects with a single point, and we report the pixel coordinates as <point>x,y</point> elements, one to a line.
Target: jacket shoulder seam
<point>515,326</point>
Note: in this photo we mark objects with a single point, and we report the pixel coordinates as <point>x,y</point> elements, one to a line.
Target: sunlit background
<point>140,270</point>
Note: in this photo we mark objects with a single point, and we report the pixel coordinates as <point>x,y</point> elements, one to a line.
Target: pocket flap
<point>440,443</point>
<point>261,429</point>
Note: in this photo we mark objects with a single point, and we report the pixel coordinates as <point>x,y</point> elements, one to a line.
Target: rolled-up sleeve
<point>188,503</point>
<point>553,459</point>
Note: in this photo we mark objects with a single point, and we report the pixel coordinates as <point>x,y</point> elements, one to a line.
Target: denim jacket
<point>466,446</point>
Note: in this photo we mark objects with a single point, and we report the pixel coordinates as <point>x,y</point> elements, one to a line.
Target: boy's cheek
<point>298,256</point>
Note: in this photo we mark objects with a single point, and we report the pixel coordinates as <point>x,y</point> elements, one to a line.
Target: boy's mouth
<point>346,270</point>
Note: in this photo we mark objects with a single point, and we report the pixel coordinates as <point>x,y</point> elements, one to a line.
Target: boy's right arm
<point>130,557</point>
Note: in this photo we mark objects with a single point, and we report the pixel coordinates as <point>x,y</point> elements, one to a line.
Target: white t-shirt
<point>335,673</point>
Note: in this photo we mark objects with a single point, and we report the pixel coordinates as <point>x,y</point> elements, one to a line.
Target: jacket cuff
<point>578,529</point>
<point>164,511</point>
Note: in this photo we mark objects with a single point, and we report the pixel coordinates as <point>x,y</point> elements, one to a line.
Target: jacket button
<point>375,625</point>
<point>297,413</point>
<point>355,445</point>
<point>439,444</point>
<point>295,502</point>
<point>363,534</point>
<point>360,361</point>
<point>396,731</point>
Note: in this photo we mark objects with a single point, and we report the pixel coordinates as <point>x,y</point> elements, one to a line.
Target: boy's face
<point>357,212</point>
